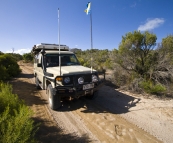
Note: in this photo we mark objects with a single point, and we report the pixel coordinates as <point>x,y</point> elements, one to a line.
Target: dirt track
<point>112,116</point>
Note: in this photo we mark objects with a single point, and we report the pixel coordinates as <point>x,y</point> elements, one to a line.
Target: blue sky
<point>24,23</point>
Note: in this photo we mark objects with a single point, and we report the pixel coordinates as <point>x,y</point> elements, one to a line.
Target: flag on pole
<point>88,8</point>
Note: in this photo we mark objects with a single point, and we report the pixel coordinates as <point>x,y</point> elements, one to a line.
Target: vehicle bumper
<point>76,91</point>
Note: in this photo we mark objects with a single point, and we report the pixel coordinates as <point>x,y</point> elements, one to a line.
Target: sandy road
<point>111,117</point>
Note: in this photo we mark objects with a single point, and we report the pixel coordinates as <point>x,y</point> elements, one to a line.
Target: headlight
<point>80,80</point>
<point>66,79</point>
<point>94,78</point>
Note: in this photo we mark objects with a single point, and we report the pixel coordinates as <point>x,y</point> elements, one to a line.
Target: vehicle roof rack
<point>50,44</point>
<point>37,48</point>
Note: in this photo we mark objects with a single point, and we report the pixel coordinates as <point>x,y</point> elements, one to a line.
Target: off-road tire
<point>54,100</point>
<point>91,96</point>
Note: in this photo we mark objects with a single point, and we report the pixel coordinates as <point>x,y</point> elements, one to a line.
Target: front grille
<point>74,79</point>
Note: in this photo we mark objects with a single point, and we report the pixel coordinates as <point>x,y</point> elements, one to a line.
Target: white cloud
<point>20,51</point>
<point>151,24</point>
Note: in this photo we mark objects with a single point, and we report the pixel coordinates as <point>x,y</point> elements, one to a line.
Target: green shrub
<point>16,56</point>
<point>8,67</point>
<point>28,57</point>
<point>149,87</point>
<point>1,53</point>
<point>16,125</point>
<point>100,59</point>
<point>4,75</point>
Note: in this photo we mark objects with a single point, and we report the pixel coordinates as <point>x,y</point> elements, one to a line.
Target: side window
<point>73,59</point>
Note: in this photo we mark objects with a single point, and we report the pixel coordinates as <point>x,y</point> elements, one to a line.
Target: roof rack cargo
<point>37,48</point>
<point>50,44</point>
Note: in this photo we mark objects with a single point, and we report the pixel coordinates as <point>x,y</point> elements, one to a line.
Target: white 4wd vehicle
<point>58,71</point>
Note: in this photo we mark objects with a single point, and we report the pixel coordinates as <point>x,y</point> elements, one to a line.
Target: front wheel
<point>54,100</point>
<point>37,83</point>
<point>91,96</point>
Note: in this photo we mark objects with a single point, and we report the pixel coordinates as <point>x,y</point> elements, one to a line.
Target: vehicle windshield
<point>52,60</point>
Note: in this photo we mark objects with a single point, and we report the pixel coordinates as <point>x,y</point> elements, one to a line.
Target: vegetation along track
<point>79,120</point>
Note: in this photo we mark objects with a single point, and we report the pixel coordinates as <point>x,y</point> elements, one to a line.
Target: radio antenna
<point>59,42</point>
<point>91,43</point>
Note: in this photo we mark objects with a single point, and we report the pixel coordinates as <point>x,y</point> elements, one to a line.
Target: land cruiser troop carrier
<point>58,71</point>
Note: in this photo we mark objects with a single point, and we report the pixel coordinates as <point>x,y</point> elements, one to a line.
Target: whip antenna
<point>59,43</point>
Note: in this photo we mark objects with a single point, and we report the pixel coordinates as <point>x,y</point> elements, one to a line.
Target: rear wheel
<point>54,100</point>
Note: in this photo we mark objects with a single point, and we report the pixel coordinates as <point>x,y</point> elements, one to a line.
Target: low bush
<point>152,88</point>
<point>28,57</point>
<point>8,67</point>
<point>16,56</point>
<point>16,125</point>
